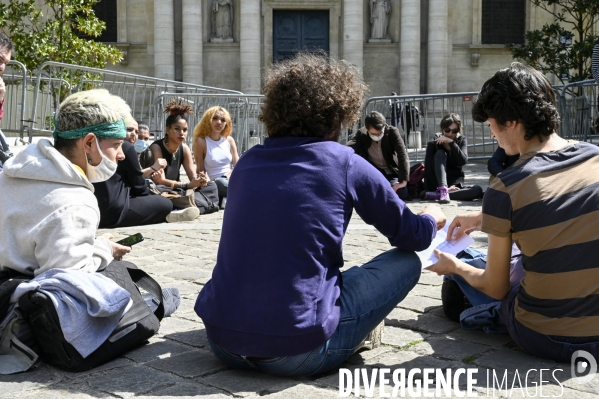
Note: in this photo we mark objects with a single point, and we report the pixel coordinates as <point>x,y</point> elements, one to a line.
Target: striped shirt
<point>595,62</point>
<point>549,204</point>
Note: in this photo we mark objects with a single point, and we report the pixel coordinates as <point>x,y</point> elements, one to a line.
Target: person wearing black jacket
<point>445,156</point>
<point>125,200</point>
<point>383,147</point>
<point>500,161</point>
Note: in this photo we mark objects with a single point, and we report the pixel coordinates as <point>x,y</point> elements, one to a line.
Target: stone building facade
<point>420,46</point>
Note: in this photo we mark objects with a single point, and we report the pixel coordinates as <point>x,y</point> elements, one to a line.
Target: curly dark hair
<point>519,93</point>
<point>311,95</point>
<point>5,42</point>
<point>177,109</point>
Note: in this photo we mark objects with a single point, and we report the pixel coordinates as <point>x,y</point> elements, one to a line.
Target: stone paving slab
<point>177,362</point>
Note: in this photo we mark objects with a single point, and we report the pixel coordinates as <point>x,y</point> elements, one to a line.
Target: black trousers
<point>149,209</point>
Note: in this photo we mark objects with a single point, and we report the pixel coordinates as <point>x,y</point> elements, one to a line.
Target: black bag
<point>9,280</point>
<point>206,198</point>
<point>134,328</point>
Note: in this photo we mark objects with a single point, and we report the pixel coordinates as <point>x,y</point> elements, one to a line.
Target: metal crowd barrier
<point>418,117</point>
<point>55,81</point>
<point>244,110</point>
<point>15,98</point>
<point>578,107</point>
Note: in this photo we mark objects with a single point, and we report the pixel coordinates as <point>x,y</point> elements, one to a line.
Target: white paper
<point>453,247</point>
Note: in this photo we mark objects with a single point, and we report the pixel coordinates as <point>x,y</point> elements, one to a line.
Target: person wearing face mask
<point>125,200</point>
<point>48,206</point>
<point>382,146</point>
<point>142,147</point>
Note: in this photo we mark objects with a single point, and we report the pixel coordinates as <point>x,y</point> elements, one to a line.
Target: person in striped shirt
<point>547,203</point>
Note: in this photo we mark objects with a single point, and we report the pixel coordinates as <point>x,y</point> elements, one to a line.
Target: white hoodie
<point>48,214</point>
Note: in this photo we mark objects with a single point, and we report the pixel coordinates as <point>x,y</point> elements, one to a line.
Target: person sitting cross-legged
<point>382,146</point>
<point>277,301</point>
<point>546,203</point>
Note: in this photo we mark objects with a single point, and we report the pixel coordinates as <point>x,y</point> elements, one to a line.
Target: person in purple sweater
<point>277,301</point>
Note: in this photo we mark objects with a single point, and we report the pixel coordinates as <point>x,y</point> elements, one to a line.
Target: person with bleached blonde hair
<point>214,150</point>
<point>47,193</point>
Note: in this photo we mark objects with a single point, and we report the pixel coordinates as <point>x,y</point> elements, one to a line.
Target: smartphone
<point>131,240</point>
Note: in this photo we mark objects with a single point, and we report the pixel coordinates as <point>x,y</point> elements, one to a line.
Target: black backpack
<point>206,198</point>
<point>134,328</point>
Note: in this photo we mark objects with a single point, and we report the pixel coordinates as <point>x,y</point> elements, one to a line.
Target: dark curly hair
<point>311,95</point>
<point>177,109</point>
<point>519,93</point>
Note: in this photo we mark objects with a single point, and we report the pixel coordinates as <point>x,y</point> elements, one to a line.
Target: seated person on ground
<point>48,197</point>
<point>214,149</point>
<point>500,161</point>
<point>545,203</point>
<point>445,156</point>
<point>142,147</point>
<point>276,291</point>
<point>174,150</point>
<point>383,147</point>
<point>125,200</point>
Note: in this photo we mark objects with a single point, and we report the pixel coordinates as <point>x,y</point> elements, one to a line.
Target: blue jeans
<point>368,294</point>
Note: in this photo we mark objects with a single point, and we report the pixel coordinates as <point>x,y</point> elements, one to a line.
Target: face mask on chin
<point>141,145</point>
<point>103,171</point>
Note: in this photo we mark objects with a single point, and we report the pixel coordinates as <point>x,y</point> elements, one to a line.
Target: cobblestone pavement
<point>177,362</point>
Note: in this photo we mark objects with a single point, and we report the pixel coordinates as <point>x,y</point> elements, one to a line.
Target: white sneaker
<point>184,215</point>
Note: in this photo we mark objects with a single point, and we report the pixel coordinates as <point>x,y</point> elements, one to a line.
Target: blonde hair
<point>89,108</point>
<point>204,127</point>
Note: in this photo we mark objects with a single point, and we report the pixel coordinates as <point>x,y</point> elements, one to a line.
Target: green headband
<point>108,130</point>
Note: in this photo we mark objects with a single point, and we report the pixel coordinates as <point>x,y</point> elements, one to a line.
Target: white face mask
<point>141,146</point>
<point>103,171</point>
<point>376,138</point>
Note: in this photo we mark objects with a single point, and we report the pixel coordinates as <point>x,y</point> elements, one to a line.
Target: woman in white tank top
<point>214,149</point>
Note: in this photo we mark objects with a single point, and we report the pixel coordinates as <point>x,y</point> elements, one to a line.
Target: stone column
<point>192,41</point>
<point>409,45</point>
<point>353,32</point>
<point>164,39</point>
<point>249,44</point>
<point>437,47</point>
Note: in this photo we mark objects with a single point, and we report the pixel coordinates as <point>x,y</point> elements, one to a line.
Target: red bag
<point>416,181</point>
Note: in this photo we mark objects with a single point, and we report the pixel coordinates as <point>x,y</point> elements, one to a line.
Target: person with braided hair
<point>174,150</point>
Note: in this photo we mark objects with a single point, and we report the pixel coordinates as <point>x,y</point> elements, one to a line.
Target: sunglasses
<point>454,131</point>
<point>223,120</point>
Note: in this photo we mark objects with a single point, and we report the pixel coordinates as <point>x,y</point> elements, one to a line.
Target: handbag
<point>136,326</point>
<point>206,198</point>
<point>180,198</point>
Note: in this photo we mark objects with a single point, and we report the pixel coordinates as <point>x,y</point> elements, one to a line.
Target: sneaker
<point>184,215</point>
<point>430,195</point>
<point>373,339</point>
<point>443,195</point>
<point>171,299</point>
<point>223,203</point>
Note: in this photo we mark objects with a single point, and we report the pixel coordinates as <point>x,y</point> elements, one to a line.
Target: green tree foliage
<point>60,31</point>
<point>564,47</point>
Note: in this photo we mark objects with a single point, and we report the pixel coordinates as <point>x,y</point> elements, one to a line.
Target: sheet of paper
<point>453,247</point>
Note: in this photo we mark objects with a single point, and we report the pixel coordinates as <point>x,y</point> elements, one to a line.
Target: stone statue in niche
<point>222,21</point>
<point>380,11</point>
